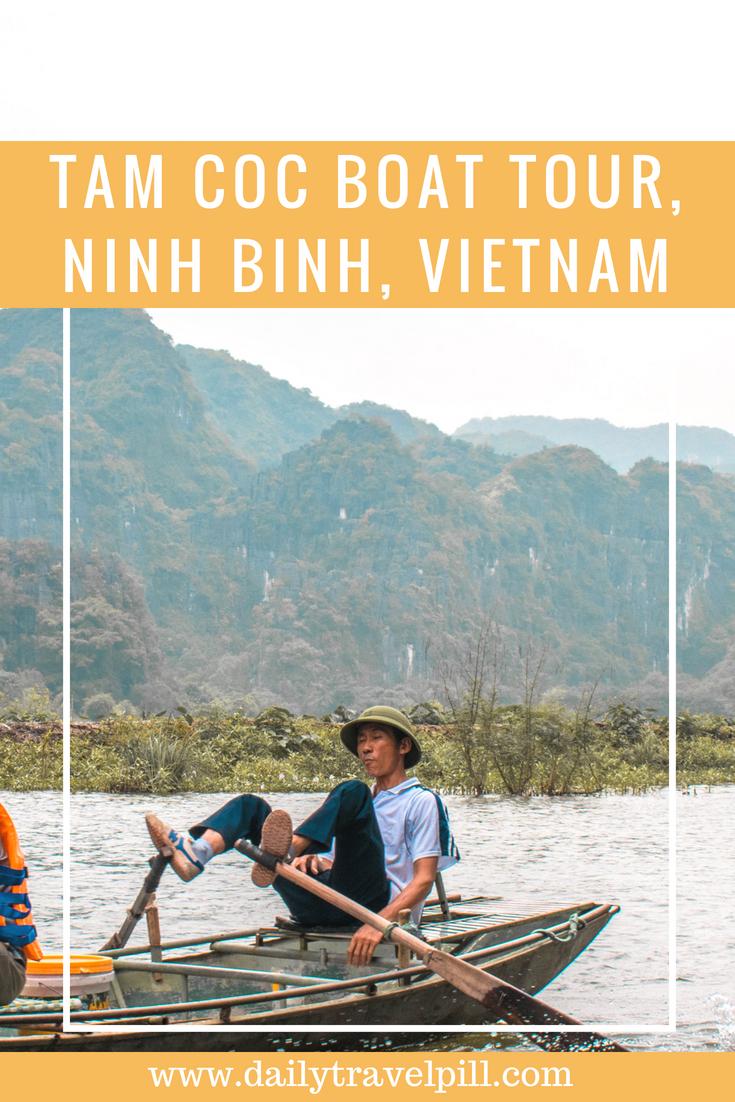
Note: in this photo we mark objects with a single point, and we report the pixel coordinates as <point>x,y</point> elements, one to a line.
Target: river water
<point>608,848</point>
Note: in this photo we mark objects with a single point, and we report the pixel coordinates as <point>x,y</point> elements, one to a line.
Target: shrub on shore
<point>548,752</point>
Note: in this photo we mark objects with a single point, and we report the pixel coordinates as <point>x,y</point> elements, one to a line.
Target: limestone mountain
<point>317,556</point>
<point>263,417</point>
<point>30,500</point>
<point>30,424</point>
<point>407,428</point>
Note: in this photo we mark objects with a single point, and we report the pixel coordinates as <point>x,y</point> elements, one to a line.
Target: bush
<point>34,706</point>
<point>157,763</point>
<point>98,706</point>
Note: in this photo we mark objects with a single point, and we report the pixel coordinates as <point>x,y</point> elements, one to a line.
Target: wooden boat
<point>281,979</point>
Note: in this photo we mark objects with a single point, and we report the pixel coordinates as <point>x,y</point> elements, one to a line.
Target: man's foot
<point>275,839</point>
<point>183,860</point>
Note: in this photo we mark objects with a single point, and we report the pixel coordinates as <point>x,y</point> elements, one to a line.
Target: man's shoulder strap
<point>446,838</point>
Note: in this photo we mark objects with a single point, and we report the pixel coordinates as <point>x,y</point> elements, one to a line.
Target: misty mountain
<point>407,428</point>
<point>622,448</point>
<point>263,417</point>
<point>30,424</point>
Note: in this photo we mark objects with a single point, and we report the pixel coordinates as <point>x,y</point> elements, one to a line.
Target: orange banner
<point>325,224</point>
<point>607,1078</point>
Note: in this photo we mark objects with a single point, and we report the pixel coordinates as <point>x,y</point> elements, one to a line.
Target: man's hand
<point>311,864</point>
<point>363,944</point>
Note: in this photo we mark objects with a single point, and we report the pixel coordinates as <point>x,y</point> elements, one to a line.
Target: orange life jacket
<point>16,920</point>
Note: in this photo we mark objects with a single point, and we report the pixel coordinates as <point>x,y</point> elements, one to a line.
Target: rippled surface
<point>607,848</point>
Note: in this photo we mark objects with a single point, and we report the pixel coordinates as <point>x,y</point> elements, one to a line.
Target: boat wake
<point>724,1022</point>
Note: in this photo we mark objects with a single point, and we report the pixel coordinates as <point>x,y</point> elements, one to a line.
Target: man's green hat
<point>385,717</point>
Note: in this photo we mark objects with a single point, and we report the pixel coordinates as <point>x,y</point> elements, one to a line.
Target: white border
<point>672,720</point>
<point>66,659</point>
<point>669,1027</point>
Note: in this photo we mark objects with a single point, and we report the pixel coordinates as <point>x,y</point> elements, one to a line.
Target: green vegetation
<point>32,765</point>
<point>220,751</point>
<point>234,538</point>
<point>227,752</point>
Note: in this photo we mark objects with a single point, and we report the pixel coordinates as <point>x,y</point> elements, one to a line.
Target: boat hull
<point>527,951</point>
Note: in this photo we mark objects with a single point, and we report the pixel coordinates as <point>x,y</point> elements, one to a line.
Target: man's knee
<point>353,794</point>
<point>352,787</point>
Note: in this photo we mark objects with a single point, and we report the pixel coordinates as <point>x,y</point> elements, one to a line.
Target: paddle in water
<point>504,1000</point>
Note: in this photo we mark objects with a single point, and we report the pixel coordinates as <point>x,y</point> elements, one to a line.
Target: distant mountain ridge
<point>265,418</point>
<point>621,447</point>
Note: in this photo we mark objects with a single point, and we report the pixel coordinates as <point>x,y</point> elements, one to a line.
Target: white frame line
<point>671,1024</point>
<point>672,720</point>
<point>192,1027</point>
<point>66,659</point>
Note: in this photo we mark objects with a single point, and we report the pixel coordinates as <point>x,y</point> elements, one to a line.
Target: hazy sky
<point>632,367</point>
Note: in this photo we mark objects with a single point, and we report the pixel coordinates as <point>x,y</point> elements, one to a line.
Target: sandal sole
<point>275,839</point>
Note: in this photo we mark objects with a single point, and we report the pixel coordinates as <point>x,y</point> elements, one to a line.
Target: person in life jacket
<point>18,940</point>
<point>380,845</point>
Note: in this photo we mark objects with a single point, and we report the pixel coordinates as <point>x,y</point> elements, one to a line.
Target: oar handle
<point>316,887</point>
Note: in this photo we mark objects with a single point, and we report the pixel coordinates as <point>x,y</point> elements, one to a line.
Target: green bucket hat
<point>385,717</point>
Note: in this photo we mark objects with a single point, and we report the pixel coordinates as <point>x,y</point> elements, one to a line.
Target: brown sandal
<point>275,839</point>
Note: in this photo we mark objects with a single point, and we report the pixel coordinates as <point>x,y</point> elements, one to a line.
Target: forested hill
<point>235,539</point>
<point>30,424</point>
<point>30,500</point>
<point>265,417</point>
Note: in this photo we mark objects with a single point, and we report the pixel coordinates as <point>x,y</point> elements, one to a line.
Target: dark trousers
<point>346,818</point>
<point>12,975</point>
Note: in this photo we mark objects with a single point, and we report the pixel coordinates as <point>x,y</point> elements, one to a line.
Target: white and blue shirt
<point>413,823</point>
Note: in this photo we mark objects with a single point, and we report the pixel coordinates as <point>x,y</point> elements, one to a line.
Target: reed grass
<point>230,752</point>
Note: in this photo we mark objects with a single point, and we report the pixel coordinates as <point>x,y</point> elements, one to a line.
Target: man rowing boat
<point>381,847</point>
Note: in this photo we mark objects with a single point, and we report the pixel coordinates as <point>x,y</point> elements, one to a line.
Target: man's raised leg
<point>241,817</point>
<point>347,819</point>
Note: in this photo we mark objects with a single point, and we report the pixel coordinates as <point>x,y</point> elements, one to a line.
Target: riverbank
<point>549,751</point>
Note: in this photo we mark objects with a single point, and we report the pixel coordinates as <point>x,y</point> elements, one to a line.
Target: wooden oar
<point>500,997</point>
<point>138,907</point>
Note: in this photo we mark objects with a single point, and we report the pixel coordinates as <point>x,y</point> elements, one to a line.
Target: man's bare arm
<point>365,940</point>
<point>310,863</point>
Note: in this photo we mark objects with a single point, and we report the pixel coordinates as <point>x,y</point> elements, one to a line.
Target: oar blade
<point>502,998</point>
<point>515,1006</point>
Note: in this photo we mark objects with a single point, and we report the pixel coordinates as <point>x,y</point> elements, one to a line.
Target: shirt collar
<point>409,782</point>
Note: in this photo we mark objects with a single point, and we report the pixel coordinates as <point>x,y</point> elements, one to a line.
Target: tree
<point>471,688</point>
